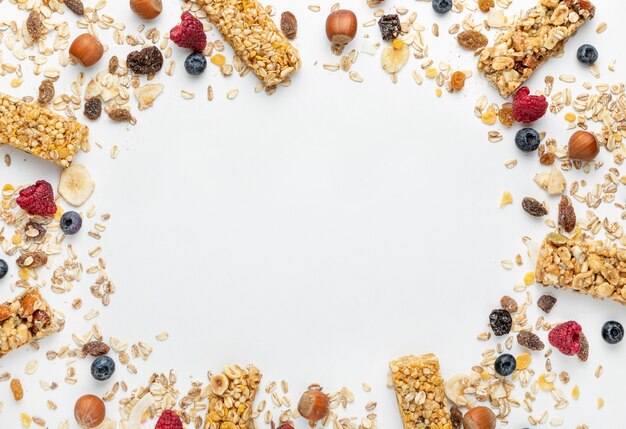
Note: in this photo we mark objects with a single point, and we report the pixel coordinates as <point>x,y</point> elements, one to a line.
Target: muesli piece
<point>531,41</point>
<point>419,390</point>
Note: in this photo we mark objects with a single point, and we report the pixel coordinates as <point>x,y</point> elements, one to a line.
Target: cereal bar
<point>419,389</point>
<point>25,319</point>
<point>531,41</point>
<point>231,405</point>
<point>249,29</point>
<point>588,267</point>
<point>39,131</point>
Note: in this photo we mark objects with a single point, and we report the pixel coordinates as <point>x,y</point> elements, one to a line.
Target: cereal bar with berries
<point>531,41</point>
<point>25,319</point>
<point>584,266</point>
<point>40,131</point>
<point>419,390</point>
<point>255,38</point>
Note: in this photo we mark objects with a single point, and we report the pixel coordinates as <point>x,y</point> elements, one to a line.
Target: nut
<point>314,404</point>
<point>583,146</point>
<point>89,411</point>
<point>146,9</point>
<point>219,384</point>
<point>341,28</point>
<point>86,49</point>
<point>479,418</point>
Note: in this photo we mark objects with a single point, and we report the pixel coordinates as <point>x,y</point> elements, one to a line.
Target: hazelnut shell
<point>89,411</point>
<point>341,26</point>
<point>583,146</point>
<point>479,418</point>
<point>314,405</point>
<point>87,50</point>
<point>146,9</point>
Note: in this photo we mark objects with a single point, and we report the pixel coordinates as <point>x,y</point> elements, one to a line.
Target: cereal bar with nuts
<point>420,393</point>
<point>256,39</point>
<point>25,319</point>
<point>39,131</point>
<point>589,267</point>
<point>231,398</point>
<point>531,41</point>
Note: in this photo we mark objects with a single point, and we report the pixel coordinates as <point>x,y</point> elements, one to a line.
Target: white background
<point>317,233</point>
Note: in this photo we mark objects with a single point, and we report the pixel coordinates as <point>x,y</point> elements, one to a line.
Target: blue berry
<point>102,368</point>
<point>612,332</point>
<point>442,6</point>
<point>4,268</point>
<point>527,140</point>
<point>195,63</point>
<point>71,223</point>
<point>505,364</point>
<point>587,54</point>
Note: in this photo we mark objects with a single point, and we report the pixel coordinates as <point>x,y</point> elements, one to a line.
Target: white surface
<point>317,233</point>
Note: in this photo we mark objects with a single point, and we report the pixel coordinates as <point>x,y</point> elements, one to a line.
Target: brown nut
<point>479,418</point>
<point>89,411</point>
<point>341,27</point>
<point>146,9</point>
<point>583,146</point>
<point>86,49</point>
<point>314,405</point>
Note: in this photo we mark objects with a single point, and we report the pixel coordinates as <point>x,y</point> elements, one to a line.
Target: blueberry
<point>71,223</point>
<point>527,140</point>
<point>102,368</point>
<point>612,332</point>
<point>195,63</point>
<point>505,364</point>
<point>4,268</point>
<point>442,6</point>
<point>587,54</point>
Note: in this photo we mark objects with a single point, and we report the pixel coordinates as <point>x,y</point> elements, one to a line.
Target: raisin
<point>289,25</point>
<point>17,389</point>
<point>32,260</point>
<point>34,26</point>
<point>583,354</point>
<point>456,417</point>
<point>567,215</point>
<point>96,348</point>
<point>546,302</point>
<point>389,26</point>
<point>34,232</point>
<point>530,340</point>
<point>41,319</point>
<point>113,63</point>
<point>93,108</point>
<point>534,207</point>
<point>46,92</point>
<point>120,115</point>
<point>472,40</point>
<point>500,321</point>
<point>486,5</point>
<point>457,80</point>
<point>508,304</point>
<point>505,114</point>
<point>547,158</point>
<point>146,61</point>
<point>75,6</point>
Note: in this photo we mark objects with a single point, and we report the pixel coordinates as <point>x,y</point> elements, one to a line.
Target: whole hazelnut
<point>479,418</point>
<point>89,411</point>
<point>314,404</point>
<point>583,146</point>
<point>86,49</point>
<point>341,28</point>
<point>146,9</point>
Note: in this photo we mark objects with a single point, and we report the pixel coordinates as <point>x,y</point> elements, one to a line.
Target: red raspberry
<point>566,338</point>
<point>169,420</point>
<point>285,426</point>
<point>189,33</point>
<point>38,199</point>
<point>528,108</point>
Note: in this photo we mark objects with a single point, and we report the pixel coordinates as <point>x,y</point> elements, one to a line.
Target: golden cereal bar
<point>40,131</point>
<point>588,267</point>
<point>232,409</point>
<point>419,389</point>
<point>249,29</point>
<point>531,41</point>
<point>25,319</point>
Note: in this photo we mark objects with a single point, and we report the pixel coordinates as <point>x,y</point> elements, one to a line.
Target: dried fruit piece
<point>567,215</point>
<point>119,114</point>
<point>17,389</point>
<point>389,26</point>
<point>530,340</point>
<point>46,92</point>
<point>456,416</point>
<point>32,260</point>
<point>508,304</point>
<point>289,25</point>
<point>189,33</point>
<point>146,61</point>
<point>394,59</point>
<point>485,5</point>
<point>500,321</point>
<point>93,108</point>
<point>472,40</point>
<point>76,185</point>
<point>219,384</point>
<point>523,361</point>
<point>528,108</point>
<point>457,80</point>
<point>505,114</point>
<point>96,348</point>
<point>34,26</point>
<point>546,302</point>
<point>553,181</point>
<point>566,338</point>
<point>169,420</point>
<point>583,354</point>
<point>534,207</point>
<point>147,94</point>
<point>38,199</point>
<point>75,6</point>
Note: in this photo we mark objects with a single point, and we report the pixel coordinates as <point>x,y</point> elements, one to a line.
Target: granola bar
<point>40,131</point>
<point>25,319</point>
<point>419,389</point>
<point>531,41</point>
<point>232,407</point>
<point>256,39</point>
<point>588,267</point>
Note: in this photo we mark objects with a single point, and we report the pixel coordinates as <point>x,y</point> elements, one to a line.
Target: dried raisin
<point>509,304</point>
<point>113,63</point>
<point>389,26</point>
<point>534,207</point>
<point>16,389</point>
<point>32,260</point>
<point>75,6</point>
<point>583,354</point>
<point>567,215</point>
<point>456,416</point>
<point>546,302</point>
<point>505,114</point>
<point>289,25</point>
<point>472,40</point>
<point>93,108</point>
<point>500,321</point>
<point>486,5</point>
<point>34,26</point>
<point>146,61</point>
<point>530,340</point>
<point>457,80</point>
<point>46,92</point>
<point>96,348</point>
<point>120,115</point>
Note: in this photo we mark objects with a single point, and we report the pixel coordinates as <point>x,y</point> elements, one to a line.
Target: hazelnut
<point>479,418</point>
<point>583,146</point>
<point>219,384</point>
<point>341,28</point>
<point>89,411</point>
<point>86,49</point>
<point>146,9</point>
<point>314,404</point>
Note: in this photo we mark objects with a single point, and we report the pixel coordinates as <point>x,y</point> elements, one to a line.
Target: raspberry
<point>38,199</point>
<point>169,420</point>
<point>189,33</point>
<point>566,338</point>
<point>528,108</point>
